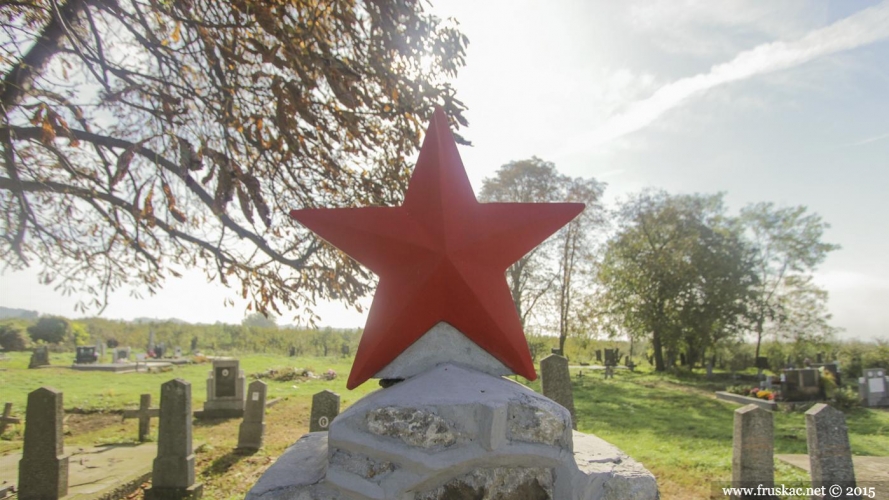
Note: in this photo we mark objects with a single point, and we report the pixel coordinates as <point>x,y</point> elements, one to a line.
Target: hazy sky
<point>785,102</point>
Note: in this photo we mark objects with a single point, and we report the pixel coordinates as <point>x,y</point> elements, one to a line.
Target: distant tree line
<point>64,334</point>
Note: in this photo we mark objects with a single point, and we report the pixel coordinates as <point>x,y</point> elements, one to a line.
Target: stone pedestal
<point>225,390</point>
<point>454,432</point>
<point>173,476</point>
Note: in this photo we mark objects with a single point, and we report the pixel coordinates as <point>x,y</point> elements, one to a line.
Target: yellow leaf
<point>175,35</point>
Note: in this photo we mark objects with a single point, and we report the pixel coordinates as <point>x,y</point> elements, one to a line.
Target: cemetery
<point>527,332</point>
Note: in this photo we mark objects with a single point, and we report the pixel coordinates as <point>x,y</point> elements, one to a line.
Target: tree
<point>259,321</point>
<point>142,138</point>
<point>552,274</point>
<point>788,248</point>
<point>677,272</point>
<point>525,181</point>
<point>576,252</point>
<point>49,329</point>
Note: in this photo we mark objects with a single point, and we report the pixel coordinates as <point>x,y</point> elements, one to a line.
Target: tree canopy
<point>677,272</point>
<point>143,138</point>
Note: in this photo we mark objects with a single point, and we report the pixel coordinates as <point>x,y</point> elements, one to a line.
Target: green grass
<point>683,434</point>
<point>670,423</point>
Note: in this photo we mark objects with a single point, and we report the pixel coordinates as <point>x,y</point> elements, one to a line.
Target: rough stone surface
<point>502,483</point>
<point>252,428</point>
<point>173,473</point>
<point>298,473</point>
<point>415,427</point>
<point>830,456</point>
<point>610,471</point>
<point>534,424</point>
<point>555,379</point>
<point>361,465</point>
<point>442,344</point>
<point>325,407</point>
<point>43,470</point>
<point>753,460</point>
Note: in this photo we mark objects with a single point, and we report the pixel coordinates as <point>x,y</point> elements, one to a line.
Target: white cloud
<point>862,28</point>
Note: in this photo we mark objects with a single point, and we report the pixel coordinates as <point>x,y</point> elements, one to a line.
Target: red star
<point>442,256</point>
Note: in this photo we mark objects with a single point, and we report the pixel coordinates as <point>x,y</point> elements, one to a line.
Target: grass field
<point>675,427</point>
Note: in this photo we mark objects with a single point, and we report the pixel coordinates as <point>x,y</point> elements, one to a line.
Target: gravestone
<point>253,427</point>
<point>100,348</point>
<point>85,355</point>
<point>172,475</point>
<point>325,407</point>
<point>7,418</point>
<point>177,352</point>
<point>599,355</point>
<point>145,413</point>
<point>40,357</point>
<point>802,385</point>
<point>556,351</point>
<point>752,448</point>
<point>830,456</point>
<point>120,355</point>
<point>43,469</point>
<point>225,390</point>
<point>151,344</point>
<point>555,379</point>
<point>873,388</point>
<point>345,350</point>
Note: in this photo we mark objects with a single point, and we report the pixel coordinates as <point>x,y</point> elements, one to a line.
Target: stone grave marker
<point>830,456</point>
<point>802,385</point>
<point>145,413</point>
<point>151,343</point>
<point>325,407</point>
<point>556,383</point>
<point>173,475</point>
<point>599,355</point>
<point>120,354</point>
<point>85,355</point>
<point>43,469</point>
<point>753,448</point>
<point>225,390</point>
<point>177,352</point>
<point>7,418</point>
<point>40,357</point>
<point>873,388</point>
<point>253,427</point>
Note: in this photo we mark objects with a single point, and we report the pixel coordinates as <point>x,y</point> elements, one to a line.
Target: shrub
<point>13,337</point>
<point>846,399</point>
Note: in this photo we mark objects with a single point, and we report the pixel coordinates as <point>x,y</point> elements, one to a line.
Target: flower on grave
<point>330,375</point>
<point>754,391</point>
<point>765,394</point>
<point>772,396</point>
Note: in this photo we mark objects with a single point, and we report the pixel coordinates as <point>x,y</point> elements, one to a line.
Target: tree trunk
<point>758,335</point>
<point>658,351</point>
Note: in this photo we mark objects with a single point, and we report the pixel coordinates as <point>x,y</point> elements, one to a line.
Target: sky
<point>784,102</point>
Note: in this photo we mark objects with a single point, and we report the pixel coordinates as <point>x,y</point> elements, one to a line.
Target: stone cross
<point>173,474</point>
<point>145,413</point>
<point>325,407</point>
<point>556,383</point>
<point>43,469</point>
<point>253,427</point>
<point>7,418</point>
<point>830,457</point>
<point>753,462</point>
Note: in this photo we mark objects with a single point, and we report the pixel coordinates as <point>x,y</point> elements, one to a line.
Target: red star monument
<point>441,256</point>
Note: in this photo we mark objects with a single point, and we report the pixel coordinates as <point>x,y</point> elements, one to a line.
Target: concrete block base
<point>453,432</point>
